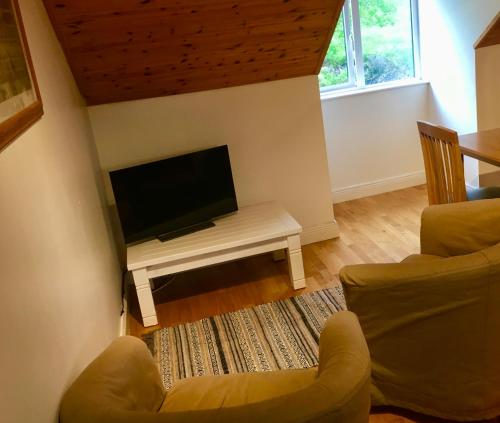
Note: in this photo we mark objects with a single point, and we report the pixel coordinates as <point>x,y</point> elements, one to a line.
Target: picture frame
<point>20,101</point>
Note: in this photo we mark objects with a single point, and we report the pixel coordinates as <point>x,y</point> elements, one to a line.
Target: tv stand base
<point>263,228</point>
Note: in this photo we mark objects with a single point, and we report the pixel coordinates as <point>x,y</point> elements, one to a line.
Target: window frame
<point>354,50</point>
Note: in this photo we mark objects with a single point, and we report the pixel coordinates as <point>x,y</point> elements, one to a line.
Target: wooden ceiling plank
<point>235,70</point>
<point>98,8</point>
<point>131,94</point>
<point>251,15</point>
<point>178,54</point>
<point>102,35</point>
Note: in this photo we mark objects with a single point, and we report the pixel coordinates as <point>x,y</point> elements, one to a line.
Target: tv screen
<point>165,196</point>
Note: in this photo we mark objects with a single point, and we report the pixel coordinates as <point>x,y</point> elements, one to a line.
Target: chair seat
<point>484,193</point>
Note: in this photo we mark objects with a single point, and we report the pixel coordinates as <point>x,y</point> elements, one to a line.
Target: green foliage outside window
<point>334,70</point>
<point>377,13</point>
<point>386,38</point>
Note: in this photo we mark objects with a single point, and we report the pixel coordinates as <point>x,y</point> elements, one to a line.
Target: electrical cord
<point>163,283</point>
<point>124,274</point>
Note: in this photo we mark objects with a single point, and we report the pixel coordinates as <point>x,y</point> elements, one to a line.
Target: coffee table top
<point>249,225</point>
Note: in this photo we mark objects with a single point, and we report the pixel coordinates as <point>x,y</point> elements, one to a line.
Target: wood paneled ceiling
<point>130,49</point>
<point>491,36</point>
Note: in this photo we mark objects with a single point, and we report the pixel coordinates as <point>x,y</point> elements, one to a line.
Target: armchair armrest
<point>460,228</point>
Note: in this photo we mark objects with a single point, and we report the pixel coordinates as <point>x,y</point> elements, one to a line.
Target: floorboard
<point>382,228</point>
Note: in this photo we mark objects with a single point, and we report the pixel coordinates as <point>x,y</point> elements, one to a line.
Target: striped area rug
<point>279,335</point>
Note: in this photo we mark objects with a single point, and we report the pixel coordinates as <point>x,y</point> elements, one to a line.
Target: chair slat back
<point>444,167</point>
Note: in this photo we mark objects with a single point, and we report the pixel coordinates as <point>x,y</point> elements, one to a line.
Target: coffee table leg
<point>295,263</point>
<point>145,297</point>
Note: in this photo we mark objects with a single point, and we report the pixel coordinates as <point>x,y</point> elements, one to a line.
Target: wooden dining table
<point>482,145</point>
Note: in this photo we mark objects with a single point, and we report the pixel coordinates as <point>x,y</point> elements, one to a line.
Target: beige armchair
<point>123,386</point>
<point>432,322</point>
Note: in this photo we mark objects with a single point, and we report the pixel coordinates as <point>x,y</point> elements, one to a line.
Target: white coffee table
<point>252,230</point>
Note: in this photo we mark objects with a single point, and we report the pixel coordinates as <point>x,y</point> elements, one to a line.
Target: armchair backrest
<point>462,228</point>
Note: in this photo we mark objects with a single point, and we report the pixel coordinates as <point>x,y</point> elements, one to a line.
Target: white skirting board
<point>378,187</point>
<point>319,233</point>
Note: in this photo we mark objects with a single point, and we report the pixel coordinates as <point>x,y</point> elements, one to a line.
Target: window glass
<point>380,35</point>
<point>387,40</point>
<point>334,70</point>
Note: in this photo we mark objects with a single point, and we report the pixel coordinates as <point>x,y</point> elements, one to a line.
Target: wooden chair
<point>444,167</point>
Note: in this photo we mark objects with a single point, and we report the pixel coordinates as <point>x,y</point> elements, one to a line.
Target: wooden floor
<point>383,228</point>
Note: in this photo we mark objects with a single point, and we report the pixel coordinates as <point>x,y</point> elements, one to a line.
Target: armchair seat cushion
<point>218,392</point>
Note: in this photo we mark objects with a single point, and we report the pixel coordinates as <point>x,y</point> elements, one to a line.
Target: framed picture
<point>20,102</point>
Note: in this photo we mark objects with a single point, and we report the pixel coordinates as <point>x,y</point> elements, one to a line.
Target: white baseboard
<point>319,233</point>
<point>378,187</point>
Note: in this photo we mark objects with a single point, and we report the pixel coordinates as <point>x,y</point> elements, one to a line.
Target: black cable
<point>166,281</point>
<point>124,274</point>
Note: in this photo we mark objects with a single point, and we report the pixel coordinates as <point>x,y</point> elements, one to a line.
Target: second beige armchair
<point>432,322</point>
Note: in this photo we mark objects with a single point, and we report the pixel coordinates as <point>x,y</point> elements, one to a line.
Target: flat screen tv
<point>175,196</point>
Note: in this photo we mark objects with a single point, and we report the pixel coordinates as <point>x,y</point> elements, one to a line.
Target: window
<point>376,41</point>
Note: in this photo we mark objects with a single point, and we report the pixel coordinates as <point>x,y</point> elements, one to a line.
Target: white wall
<point>449,30</point>
<point>274,131</point>
<point>60,281</point>
<point>372,141</point>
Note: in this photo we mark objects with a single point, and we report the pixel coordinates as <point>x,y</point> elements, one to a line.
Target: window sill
<point>347,92</point>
